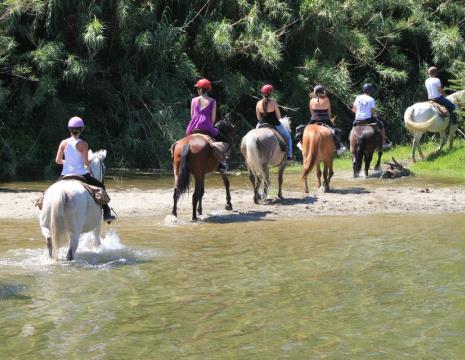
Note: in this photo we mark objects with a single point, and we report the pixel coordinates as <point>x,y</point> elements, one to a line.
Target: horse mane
<point>223,123</point>
<point>97,155</point>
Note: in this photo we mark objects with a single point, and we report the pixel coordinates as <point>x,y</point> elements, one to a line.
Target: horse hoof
<point>280,197</point>
<point>228,207</point>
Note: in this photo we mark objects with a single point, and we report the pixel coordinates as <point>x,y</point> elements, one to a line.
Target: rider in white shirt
<point>73,155</point>
<point>436,92</point>
<point>364,108</point>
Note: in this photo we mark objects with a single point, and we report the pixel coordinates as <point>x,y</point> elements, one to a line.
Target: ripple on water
<point>111,253</point>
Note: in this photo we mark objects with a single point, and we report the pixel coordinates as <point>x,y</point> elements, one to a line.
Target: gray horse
<point>261,149</point>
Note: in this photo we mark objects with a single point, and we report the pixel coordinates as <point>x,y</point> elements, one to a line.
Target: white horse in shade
<point>69,210</point>
<point>423,117</point>
<point>261,149</point>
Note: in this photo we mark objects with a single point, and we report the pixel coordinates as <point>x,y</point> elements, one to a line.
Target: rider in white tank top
<point>74,162</point>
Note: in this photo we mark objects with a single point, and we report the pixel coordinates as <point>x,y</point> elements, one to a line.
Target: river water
<point>376,287</point>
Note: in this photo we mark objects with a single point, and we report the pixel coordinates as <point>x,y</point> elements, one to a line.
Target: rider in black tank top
<point>269,118</point>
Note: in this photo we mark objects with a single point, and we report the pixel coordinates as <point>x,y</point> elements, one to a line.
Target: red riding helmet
<point>266,89</point>
<point>204,84</point>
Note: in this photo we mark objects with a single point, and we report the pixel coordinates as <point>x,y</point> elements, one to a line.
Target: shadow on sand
<point>238,217</point>
<point>351,190</point>
<point>307,200</point>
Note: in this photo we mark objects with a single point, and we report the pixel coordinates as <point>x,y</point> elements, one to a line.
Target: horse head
<point>96,166</point>
<point>226,131</point>
<point>458,98</point>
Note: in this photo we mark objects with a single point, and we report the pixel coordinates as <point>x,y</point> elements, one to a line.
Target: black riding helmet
<point>368,89</point>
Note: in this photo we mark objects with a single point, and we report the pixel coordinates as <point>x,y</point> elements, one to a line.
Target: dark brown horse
<point>194,155</point>
<point>364,140</point>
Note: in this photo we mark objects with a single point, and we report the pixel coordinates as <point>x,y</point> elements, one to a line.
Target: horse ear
<point>91,154</point>
<point>103,154</point>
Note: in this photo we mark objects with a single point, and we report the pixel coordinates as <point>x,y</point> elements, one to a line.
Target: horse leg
<point>174,212</point>
<point>325,178</point>
<point>318,175</point>
<point>49,247</point>
<point>96,233</point>
<point>195,199</point>
<point>73,245</point>
<point>416,145</point>
<point>201,192</point>
<point>254,180</point>
<point>453,128</point>
<point>368,158</point>
<point>280,182</point>
<point>378,163</point>
<point>266,183</point>
<point>442,135</point>
<point>228,194</point>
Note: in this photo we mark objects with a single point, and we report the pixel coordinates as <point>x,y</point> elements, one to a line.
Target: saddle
<point>281,141</point>
<point>364,123</point>
<point>99,194</point>
<point>442,110</point>
<point>221,150</point>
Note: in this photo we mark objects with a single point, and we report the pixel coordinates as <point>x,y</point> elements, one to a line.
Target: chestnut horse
<point>194,155</point>
<point>318,146</point>
<point>364,140</point>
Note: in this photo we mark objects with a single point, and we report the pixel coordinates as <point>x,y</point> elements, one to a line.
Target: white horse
<point>69,210</point>
<point>423,117</point>
<point>261,149</point>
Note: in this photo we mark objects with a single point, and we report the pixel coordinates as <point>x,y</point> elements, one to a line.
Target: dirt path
<point>354,200</point>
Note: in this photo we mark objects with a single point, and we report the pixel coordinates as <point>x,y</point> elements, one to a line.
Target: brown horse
<point>364,140</point>
<point>194,155</point>
<point>318,146</point>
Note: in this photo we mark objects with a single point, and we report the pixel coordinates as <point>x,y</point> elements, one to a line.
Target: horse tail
<point>254,162</point>
<point>312,155</point>
<point>182,185</point>
<point>57,223</point>
<point>417,126</point>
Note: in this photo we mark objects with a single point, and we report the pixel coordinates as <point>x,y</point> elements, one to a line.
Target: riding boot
<point>223,166</point>
<point>107,216</point>
<point>337,137</point>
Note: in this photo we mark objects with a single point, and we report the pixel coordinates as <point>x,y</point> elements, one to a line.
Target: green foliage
<point>128,67</point>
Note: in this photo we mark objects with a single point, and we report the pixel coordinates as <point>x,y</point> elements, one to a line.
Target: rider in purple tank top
<point>203,110</point>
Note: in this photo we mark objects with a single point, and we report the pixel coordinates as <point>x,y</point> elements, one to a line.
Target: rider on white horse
<point>268,112</point>
<point>73,155</point>
<point>364,108</point>
<point>436,93</point>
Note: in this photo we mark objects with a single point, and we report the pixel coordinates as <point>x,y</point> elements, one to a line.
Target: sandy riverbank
<point>353,200</point>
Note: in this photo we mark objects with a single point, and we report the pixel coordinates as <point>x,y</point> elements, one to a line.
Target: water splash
<point>111,252</point>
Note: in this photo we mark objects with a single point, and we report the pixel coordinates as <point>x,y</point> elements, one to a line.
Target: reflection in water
<point>387,287</point>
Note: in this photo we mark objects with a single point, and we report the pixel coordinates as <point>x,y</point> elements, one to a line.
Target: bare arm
<point>354,109</point>
<point>61,150</point>
<point>373,112</point>
<point>214,113</point>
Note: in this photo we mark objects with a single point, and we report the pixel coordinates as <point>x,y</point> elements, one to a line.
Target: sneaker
<point>341,150</point>
<point>290,158</point>
<point>387,146</point>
